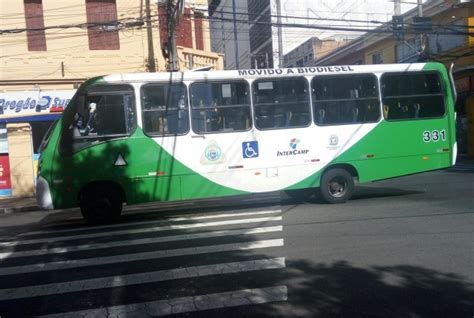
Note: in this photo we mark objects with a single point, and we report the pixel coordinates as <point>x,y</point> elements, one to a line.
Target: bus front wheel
<point>100,204</point>
<point>337,186</point>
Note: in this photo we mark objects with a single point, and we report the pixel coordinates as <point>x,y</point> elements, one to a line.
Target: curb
<point>5,211</point>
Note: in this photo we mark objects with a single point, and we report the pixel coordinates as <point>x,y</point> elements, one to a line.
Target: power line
<point>321,19</point>
<point>450,27</point>
<point>131,22</point>
<point>137,23</point>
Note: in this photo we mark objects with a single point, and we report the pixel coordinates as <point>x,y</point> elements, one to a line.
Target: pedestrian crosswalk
<point>171,264</point>
<point>185,304</point>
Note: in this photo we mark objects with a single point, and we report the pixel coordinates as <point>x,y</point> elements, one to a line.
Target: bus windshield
<point>47,136</point>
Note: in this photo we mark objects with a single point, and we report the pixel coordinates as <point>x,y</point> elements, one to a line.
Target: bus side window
<point>412,95</point>
<point>129,112</point>
<point>339,100</point>
<point>281,103</point>
<point>320,116</point>
<point>102,113</point>
<point>229,110</point>
<point>110,115</point>
<point>165,110</point>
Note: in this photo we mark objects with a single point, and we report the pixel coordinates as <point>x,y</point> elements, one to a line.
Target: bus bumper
<point>455,153</point>
<point>43,194</point>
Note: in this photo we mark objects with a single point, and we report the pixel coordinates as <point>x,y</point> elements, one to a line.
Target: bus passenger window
<point>281,103</point>
<point>412,95</point>
<point>102,113</point>
<point>165,110</point>
<point>345,99</point>
<point>220,106</point>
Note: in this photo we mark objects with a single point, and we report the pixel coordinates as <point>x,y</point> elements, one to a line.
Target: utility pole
<point>397,9</point>
<point>397,21</point>
<point>149,33</point>
<point>423,38</point>
<point>222,31</point>
<point>237,64</point>
<point>420,8</point>
<point>173,13</point>
<point>280,35</point>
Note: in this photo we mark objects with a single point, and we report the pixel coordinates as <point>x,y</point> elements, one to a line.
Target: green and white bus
<point>134,138</point>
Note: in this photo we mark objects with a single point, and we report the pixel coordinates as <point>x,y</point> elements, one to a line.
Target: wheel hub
<point>337,187</point>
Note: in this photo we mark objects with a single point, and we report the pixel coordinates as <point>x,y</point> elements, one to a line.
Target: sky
<point>315,11</point>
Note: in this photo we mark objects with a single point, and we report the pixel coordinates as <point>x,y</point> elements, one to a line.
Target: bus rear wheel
<point>100,204</point>
<point>337,186</point>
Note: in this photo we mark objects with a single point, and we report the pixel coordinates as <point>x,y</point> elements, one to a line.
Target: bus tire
<point>337,186</point>
<point>100,204</point>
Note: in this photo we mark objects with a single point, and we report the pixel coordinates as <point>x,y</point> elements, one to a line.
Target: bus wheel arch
<point>101,201</point>
<point>337,183</point>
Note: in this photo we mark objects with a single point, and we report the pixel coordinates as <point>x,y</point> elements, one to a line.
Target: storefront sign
<point>31,102</point>
<point>5,183</point>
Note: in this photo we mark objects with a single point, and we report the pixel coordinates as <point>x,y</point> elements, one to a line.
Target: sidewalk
<point>10,205</point>
<point>465,159</point>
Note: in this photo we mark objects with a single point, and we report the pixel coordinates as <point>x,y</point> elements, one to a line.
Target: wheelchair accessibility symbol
<point>250,149</point>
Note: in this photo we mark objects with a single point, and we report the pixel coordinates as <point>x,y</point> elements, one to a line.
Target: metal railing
<point>191,59</point>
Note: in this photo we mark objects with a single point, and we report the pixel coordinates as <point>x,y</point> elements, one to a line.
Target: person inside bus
<point>85,123</point>
<point>213,117</point>
<point>321,115</point>
<point>91,123</point>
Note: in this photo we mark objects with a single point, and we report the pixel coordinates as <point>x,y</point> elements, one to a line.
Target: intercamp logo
<point>294,142</point>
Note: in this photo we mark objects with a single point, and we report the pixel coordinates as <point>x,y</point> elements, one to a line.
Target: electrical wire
<point>133,24</point>
<point>126,22</point>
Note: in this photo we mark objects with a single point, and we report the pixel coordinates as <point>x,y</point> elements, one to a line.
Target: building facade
<point>48,47</point>
<point>230,32</point>
<point>311,50</point>
<point>440,45</point>
<point>269,29</point>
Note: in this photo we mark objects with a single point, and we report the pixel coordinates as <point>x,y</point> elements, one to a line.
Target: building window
<point>407,52</point>
<point>102,20</point>
<point>377,58</point>
<point>263,58</point>
<point>35,20</point>
<point>183,30</point>
<point>442,43</point>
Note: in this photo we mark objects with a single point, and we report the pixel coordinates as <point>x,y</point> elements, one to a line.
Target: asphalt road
<point>400,248</point>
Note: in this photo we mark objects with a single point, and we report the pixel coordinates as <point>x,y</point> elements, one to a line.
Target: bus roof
<point>259,73</point>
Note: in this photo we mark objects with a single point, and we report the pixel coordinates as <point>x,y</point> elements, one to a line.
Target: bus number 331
<point>435,135</point>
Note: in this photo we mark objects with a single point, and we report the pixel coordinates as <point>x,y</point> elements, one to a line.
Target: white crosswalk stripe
<point>144,230</point>
<point>142,278</point>
<point>118,256</point>
<point>75,248</point>
<point>167,219</point>
<point>69,264</point>
<point>184,304</point>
